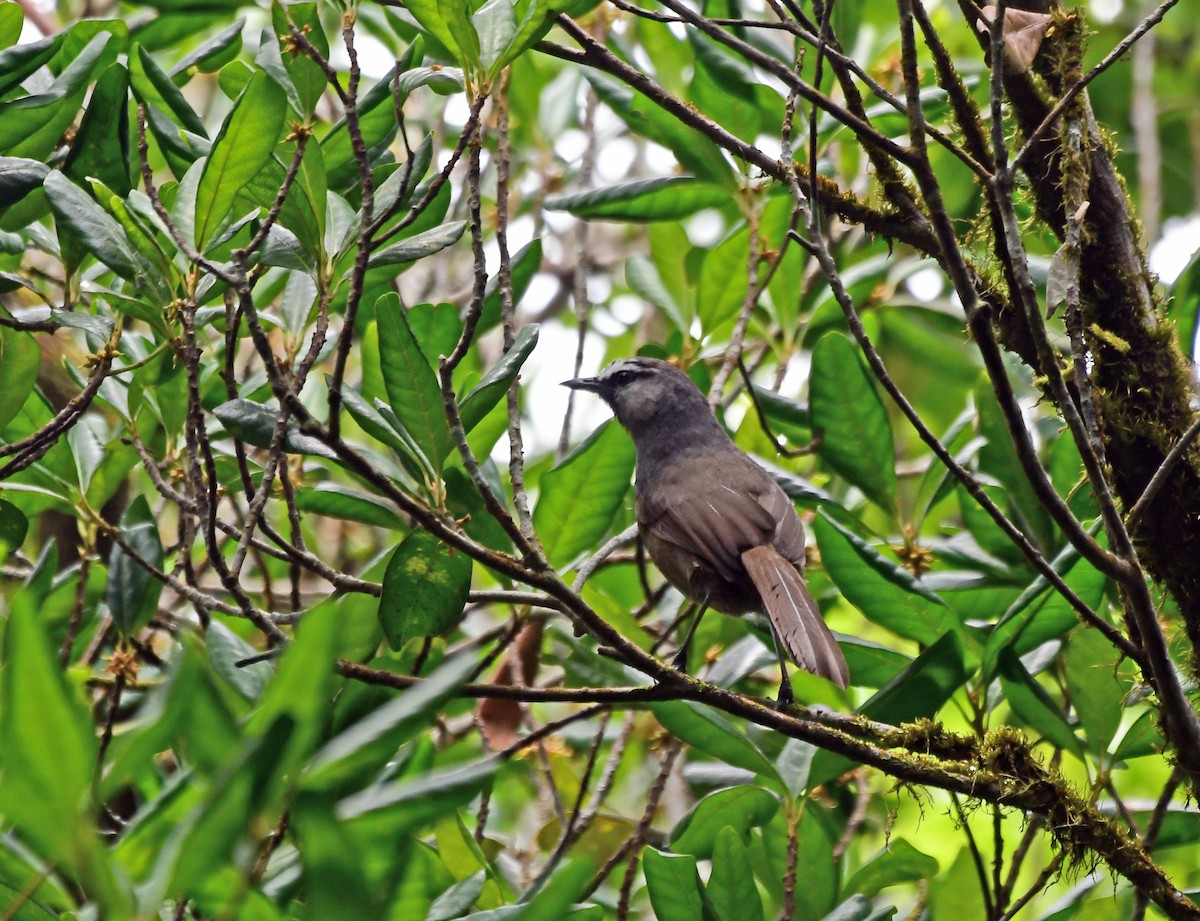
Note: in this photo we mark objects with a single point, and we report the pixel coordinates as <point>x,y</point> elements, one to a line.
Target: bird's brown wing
<point>715,526</point>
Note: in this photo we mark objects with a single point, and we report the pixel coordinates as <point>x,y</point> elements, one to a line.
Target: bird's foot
<point>785,698</point>
<point>680,660</point>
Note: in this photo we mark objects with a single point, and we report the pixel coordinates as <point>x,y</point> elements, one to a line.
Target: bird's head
<point>644,393</point>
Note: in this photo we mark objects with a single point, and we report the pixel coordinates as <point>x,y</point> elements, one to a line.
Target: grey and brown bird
<point>715,523</point>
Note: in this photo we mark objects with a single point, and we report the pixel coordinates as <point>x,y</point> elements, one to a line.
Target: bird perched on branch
<point>718,526</point>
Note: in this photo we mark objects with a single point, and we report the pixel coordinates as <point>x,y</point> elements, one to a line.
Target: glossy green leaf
<point>696,153</point>
<point>710,732</point>
<point>1033,705</point>
<point>667,199</point>
<point>18,177</point>
<point>152,87</point>
<point>364,747</point>
<point>1041,614</point>
<point>1184,309</point>
<point>676,892</point>
<point>13,528</point>
<point>100,148</point>
<point>424,589</point>
<point>241,149</point>
<point>44,794</point>
<point>525,264</point>
<point>885,592</point>
<point>334,500</point>
<point>19,61</point>
<point>19,360</point>
<point>254,423</point>
<point>413,803</point>
<point>213,54</point>
<point>722,288</point>
<point>306,74</point>
<point>739,808</point>
<point>856,437</point>
<point>414,394</point>
<point>419,246</point>
<point>731,887</point>
<point>899,863</point>
<point>31,126</point>
<point>88,223</point>
<point>1141,739</point>
<point>494,385</point>
<point>1096,692</point>
<point>11,19</point>
<point>436,327</point>
<point>449,22</point>
<point>133,592</point>
<point>581,496</point>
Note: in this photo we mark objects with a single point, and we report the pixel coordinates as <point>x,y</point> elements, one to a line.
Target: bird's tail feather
<point>795,615</point>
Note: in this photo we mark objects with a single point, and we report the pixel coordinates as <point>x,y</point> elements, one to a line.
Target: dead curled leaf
<point>500,720</point>
<point>1023,35</point>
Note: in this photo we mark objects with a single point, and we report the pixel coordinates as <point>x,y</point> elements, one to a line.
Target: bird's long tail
<point>795,615</point>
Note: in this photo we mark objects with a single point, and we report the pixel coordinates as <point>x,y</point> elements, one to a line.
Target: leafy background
<point>321,601</point>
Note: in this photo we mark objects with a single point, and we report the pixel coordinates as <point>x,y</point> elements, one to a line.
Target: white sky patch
<point>1179,242</point>
<point>926,284</point>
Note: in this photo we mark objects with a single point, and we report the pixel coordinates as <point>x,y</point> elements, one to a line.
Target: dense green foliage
<point>310,611</point>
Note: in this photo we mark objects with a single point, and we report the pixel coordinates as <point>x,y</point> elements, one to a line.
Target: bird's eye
<point>621,378</point>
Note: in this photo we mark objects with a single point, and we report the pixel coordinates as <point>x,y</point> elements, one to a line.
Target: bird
<point>716,524</point>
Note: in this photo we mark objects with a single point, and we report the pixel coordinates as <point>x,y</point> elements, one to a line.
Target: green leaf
<point>419,246</point>
<point>722,287</point>
<point>856,437</point>
<point>364,747</point>
<point>739,808</point>
<point>1033,706</point>
<point>1096,692</point>
<point>214,54</point>
<point>696,153</point>
<point>13,528</point>
<point>581,496</point>
<point>449,22</point>
<point>19,61</point>
<point>242,148</point>
<point>133,592</point>
<point>101,145</point>
<point>885,592</point>
<point>32,126</point>
<point>710,732</point>
<point>525,264</point>
<point>412,388</point>
<point>1184,309</point>
<point>19,361</point>
<point>665,199</point>
<point>19,176</point>
<point>1141,739</point>
<point>254,423</point>
<point>12,17</point>
<point>49,750</point>
<point>731,886</point>
<point>306,74</point>
<point>1041,614</point>
<point>436,327</point>
<point>554,900</point>
<point>494,385</point>
<point>424,589</point>
<point>334,500</point>
<point>496,24</point>
<point>899,863</point>
<point>675,889</point>
<point>416,802</point>
<point>152,87</point>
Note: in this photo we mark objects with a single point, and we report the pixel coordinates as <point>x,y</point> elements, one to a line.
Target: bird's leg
<point>786,698</point>
<point>680,661</point>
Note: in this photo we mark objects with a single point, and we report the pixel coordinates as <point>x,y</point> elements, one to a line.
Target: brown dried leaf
<point>1023,35</point>
<point>500,720</point>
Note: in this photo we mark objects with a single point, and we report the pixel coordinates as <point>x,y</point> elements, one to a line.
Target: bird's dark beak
<point>590,384</point>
